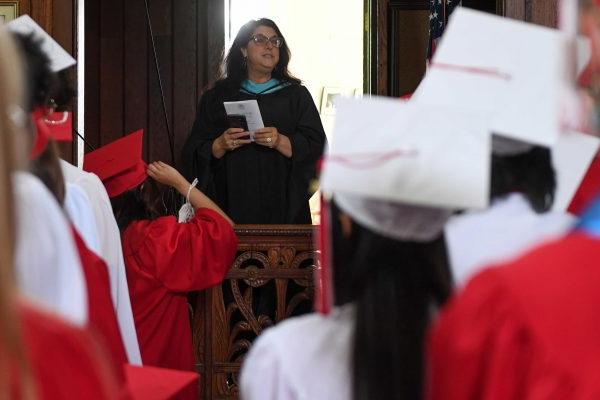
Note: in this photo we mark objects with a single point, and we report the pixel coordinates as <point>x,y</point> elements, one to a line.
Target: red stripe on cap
<point>492,72</point>
<point>370,160</point>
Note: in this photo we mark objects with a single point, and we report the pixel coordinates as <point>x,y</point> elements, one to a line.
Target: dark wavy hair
<point>144,202</point>
<point>40,80</point>
<point>393,285</point>
<point>235,68</point>
<point>47,168</point>
<point>530,173</point>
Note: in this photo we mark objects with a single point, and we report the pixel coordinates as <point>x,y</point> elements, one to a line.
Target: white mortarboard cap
<point>510,69</point>
<point>59,58</point>
<point>393,154</point>
<point>571,156</point>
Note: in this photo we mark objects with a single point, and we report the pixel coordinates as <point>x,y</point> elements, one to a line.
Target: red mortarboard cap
<point>42,133</point>
<point>119,164</point>
<point>56,126</point>
<point>60,125</point>
<point>151,383</point>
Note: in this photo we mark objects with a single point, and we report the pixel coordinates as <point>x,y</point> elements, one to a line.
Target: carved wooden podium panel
<point>271,279</point>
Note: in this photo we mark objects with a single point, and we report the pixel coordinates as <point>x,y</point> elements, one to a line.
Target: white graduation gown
<point>79,210</point>
<point>508,228</point>
<point>110,251</point>
<point>47,265</point>
<point>302,358</point>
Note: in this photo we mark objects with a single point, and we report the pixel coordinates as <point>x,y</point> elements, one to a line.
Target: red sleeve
<point>482,348</point>
<point>66,361</point>
<point>185,256</point>
<point>588,189</point>
<point>102,316</point>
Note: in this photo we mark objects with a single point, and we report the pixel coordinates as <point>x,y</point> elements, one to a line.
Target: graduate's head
<point>41,81</point>
<point>144,202</point>
<point>12,120</point>
<point>120,166</point>
<point>523,168</point>
<point>260,46</point>
<point>391,196</point>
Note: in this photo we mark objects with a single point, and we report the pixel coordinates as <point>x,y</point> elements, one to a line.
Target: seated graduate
<point>44,163</point>
<point>387,278</point>
<point>85,200</point>
<point>52,275</point>
<point>43,357</point>
<point>523,184</point>
<point>165,259</point>
<point>525,329</point>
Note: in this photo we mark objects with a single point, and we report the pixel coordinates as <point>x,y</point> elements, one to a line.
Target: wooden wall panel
<point>185,86</point>
<point>407,49</point>
<point>111,68</point>
<point>136,67</point>
<point>542,12</point>
<point>159,148</point>
<point>92,73</point>
<point>122,89</point>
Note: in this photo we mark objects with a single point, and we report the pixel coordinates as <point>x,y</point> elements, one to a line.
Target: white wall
<point>326,40</point>
<point>325,37</point>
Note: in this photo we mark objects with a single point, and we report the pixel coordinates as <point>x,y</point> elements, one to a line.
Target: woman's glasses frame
<point>262,40</point>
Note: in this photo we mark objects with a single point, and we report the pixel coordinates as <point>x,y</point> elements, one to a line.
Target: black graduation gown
<point>255,184</point>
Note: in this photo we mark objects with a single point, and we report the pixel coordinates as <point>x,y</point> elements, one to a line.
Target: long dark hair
<point>40,81</point>
<point>235,68</point>
<point>529,173</point>
<point>393,285</point>
<point>47,168</point>
<point>145,202</point>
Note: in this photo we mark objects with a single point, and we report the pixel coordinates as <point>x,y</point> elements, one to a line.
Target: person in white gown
<point>523,184</point>
<point>389,263</point>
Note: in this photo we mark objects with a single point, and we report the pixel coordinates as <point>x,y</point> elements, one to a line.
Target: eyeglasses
<point>262,40</point>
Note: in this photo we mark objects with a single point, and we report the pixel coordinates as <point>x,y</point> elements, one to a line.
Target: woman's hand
<point>167,175</point>
<point>270,137</point>
<point>230,140</point>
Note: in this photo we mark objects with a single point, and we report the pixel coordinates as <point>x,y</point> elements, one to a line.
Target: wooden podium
<point>271,279</point>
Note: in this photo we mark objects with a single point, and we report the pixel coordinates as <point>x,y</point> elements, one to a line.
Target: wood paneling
<point>272,261</point>
<point>122,88</point>
<point>542,12</point>
<point>409,39</point>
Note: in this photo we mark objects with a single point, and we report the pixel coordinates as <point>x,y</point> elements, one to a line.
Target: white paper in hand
<point>390,150</point>
<point>250,110</point>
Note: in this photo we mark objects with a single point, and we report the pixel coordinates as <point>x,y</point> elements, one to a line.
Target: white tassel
<point>186,212</point>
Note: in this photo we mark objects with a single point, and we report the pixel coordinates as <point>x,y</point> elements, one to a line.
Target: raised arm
<point>168,175</point>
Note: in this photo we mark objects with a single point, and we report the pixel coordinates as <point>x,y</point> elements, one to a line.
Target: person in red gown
<point>165,259</point>
<point>525,330</point>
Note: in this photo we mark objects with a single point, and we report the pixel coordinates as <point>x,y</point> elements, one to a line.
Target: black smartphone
<point>237,121</point>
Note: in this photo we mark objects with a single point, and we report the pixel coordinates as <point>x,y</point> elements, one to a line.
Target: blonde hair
<point>12,120</point>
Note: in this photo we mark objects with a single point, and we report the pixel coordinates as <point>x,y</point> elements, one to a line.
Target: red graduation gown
<point>66,362</point>
<point>102,317</point>
<point>588,190</point>
<point>165,260</point>
<point>527,330</point>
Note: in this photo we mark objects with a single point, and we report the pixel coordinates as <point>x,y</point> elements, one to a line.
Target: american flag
<point>440,10</point>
